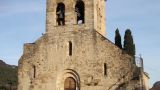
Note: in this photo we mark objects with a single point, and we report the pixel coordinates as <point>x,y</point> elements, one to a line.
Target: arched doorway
<point>68,80</point>
<point>70,84</point>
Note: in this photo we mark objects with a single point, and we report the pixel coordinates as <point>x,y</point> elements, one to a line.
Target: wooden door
<point>70,84</point>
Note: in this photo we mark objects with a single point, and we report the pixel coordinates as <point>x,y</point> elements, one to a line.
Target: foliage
<point>8,75</point>
<point>129,45</point>
<point>118,39</point>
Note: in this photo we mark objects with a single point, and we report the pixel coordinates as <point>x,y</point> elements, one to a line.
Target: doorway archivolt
<point>68,80</point>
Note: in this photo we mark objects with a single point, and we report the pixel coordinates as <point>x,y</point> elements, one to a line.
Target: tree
<point>129,46</point>
<point>118,39</point>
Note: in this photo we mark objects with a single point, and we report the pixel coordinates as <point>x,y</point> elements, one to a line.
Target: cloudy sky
<point>23,21</point>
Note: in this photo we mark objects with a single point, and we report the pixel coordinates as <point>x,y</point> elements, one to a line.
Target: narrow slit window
<point>105,69</point>
<point>70,48</point>
<point>34,71</point>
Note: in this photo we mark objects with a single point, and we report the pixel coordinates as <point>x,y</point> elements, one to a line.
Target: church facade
<point>73,54</point>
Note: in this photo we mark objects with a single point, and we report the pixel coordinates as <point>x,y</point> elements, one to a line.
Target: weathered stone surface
<point>90,51</point>
<point>46,63</point>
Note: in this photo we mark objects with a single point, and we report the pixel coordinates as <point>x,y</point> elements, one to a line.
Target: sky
<point>23,21</point>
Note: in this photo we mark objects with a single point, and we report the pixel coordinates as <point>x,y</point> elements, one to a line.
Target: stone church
<point>74,53</point>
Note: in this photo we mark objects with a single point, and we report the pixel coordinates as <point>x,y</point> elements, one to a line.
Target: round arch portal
<point>68,80</point>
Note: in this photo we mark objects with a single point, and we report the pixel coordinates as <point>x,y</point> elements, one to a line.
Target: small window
<point>79,9</point>
<point>105,69</point>
<point>60,12</point>
<point>70,48</point>
<point>34,71</point>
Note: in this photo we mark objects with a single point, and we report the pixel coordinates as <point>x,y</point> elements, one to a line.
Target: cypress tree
<point>129,45</point>
<point>118,39</point>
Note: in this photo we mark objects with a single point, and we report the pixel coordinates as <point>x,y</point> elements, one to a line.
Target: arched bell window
<point>80,9</point>
<point>60,12</point>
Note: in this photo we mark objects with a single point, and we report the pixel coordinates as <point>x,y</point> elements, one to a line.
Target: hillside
<point>8,76</point>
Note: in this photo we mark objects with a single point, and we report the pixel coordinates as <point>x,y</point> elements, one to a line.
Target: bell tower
<point>73,15</point>
<point>99,16</point>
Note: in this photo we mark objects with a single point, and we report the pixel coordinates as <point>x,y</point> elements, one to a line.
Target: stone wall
<point>50,56</point>
<point>95,63</point>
